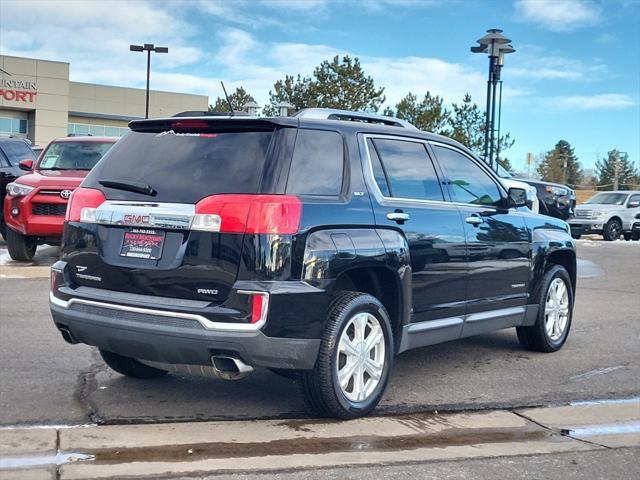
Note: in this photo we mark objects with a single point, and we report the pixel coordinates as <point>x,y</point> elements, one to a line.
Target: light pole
<point>148,47</point>
<point>495,45</point>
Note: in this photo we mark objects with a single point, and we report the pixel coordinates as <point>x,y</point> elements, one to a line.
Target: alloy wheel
<point>360,357</point>
<point>556,309</point>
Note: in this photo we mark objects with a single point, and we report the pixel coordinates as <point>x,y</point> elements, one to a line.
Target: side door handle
<point>399,217</point>
<point>474,220</point>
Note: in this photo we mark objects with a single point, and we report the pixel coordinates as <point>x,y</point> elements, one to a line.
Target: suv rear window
<point>184,168</point>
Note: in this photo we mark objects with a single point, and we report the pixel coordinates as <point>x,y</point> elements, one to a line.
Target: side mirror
<point>634,204</point>
<point>26,165</point>
<point>517,197</point>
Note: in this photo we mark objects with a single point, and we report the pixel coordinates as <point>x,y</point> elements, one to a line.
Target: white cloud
<point>604,101</point>
<point>95,35</point>
<point>559,15</point>
<point>535,63</point>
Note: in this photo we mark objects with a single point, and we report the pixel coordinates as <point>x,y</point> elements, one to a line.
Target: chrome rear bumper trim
<point>205,322</point>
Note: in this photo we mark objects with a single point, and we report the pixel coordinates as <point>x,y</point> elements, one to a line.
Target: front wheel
<point>21,247</point>
<point>612,230</point>
<point>576,236</point>
<point>355,358</point>
<point>555,300</point>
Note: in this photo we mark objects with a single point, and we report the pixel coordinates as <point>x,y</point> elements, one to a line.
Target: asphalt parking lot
<point>45,381</point>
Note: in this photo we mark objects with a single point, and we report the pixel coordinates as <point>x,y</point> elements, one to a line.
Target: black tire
<point>535,337</point>
<point>320,387</point>
<point>130,366</point>
<point>21,248</point>
<point>286,373</point>
<point>576,236</point>
<point>3,229</point>
<point>627,236</point>
<point>612,230</point>
<point>635,236</point>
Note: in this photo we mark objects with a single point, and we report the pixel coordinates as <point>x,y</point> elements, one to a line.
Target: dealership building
<point>38,102</point>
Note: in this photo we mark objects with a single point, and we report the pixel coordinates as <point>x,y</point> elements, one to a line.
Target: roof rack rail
<point>335,114</point>
<point>200,113</point>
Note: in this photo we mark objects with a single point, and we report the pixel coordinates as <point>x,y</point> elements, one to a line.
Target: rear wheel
<point>576,236</point>
<point>355,358</point>
<point>21,247</point>
<point>3,229</point>
<point>612,230</point>
<point>555,300</point>
<point>130,366</point>
<point>627,236</point>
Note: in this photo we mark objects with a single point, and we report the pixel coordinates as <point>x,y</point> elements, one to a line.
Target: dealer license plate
<point>142,243</point>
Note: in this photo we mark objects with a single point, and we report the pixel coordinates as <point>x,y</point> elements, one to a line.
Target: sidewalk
<point>186,449</point>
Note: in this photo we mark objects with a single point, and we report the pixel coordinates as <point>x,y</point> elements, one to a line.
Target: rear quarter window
<point>317,166</point>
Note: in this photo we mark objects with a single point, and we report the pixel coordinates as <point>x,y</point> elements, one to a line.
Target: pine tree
<point>467,126</point>
<point>561,165</point>
<point>238,100</point>
<point>428,114</point>
<point>506,164</point>
<point>616,164</point>
<point>339,83</point>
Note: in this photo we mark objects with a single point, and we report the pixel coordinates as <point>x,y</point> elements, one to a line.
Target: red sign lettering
<point>17,95</point>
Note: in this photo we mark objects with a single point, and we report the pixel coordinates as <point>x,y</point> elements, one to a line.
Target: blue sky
<point>575,75</point>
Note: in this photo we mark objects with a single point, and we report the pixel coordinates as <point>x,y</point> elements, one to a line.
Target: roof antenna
<point>227,97</point>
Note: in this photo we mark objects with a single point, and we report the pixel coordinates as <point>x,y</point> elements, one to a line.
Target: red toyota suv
<point>36,203</point>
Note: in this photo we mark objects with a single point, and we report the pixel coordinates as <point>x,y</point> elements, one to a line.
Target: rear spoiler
<point>212,123</point>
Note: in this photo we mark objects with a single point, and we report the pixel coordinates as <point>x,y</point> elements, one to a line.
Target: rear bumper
<point>171,330</point>
<point>174,340</point>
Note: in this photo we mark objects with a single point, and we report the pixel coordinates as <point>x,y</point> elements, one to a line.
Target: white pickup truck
<point>608,213</point>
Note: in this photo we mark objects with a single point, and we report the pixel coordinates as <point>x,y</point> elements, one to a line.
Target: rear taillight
<point>257,214</point>
<point>82,205</point>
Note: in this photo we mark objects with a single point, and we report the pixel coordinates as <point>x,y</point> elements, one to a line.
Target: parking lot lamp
<point>495,45</point>
<point>148,47</point>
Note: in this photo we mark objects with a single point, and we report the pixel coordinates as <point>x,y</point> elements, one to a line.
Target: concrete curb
<point>167,450</point>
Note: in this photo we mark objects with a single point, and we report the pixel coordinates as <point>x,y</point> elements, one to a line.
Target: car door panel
<point>433,229</point>
<point>498,244</point>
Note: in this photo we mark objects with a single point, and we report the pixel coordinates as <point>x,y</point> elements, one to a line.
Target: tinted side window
<point>3,160</point>
<point>634,198</point>
<point>318,163</point>
<point>468,182</point>
<point>408,170</point>
<point>378,171</point>
<point>17,151</point>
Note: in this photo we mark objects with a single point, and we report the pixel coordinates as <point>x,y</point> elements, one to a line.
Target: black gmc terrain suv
<point>319,246</point>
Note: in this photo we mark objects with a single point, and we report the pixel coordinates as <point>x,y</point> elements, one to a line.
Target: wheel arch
<point>552,247</point>
<point>369,260</point>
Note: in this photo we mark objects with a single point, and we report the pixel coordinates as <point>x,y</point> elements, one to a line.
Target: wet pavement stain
<point>296,446</point>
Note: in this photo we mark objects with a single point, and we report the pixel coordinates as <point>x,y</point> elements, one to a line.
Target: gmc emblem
<point>136,219</point>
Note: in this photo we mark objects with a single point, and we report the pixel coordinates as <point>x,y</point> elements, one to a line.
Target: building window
<point>13,125</point>
<point>96,130</point>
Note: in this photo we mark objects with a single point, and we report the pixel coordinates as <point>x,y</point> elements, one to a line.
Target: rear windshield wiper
<point>142,188</point>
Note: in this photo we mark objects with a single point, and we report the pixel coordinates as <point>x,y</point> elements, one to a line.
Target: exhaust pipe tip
<point>67,335</point>
<point>230,368</point>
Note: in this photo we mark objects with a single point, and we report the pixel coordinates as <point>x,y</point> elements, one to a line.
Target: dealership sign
<point>17,90</point>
